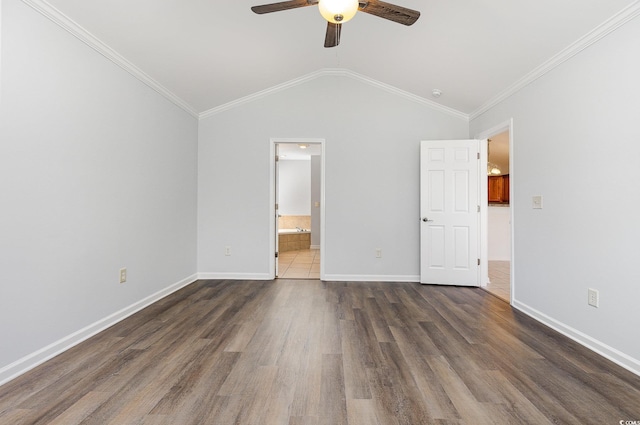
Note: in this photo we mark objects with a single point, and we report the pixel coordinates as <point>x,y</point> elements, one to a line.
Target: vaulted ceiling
<point>211,52</point>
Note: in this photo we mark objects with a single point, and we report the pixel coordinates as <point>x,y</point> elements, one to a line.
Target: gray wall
<point>371,177</point>
<point>577,143</point>
<point>97,172</point>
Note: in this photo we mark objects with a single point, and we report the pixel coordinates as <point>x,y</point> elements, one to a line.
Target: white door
<point>449,212</point>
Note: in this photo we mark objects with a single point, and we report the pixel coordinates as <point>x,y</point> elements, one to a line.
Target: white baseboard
<point>370,278</point>
<point>32,360</point>
<point>314,247</point>
<point>616,356</point>
<point>235,276</point>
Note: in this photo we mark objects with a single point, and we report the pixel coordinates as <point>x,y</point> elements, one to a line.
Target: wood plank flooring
<point>308,352</point>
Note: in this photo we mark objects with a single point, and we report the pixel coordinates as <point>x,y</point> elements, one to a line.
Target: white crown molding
<point>333,72</point>
<point>607,27</point>
<point>85,36</point>
<point>406,95</point>
<point>32,360</point>
<point>261,94</point>
<point>59,18</point>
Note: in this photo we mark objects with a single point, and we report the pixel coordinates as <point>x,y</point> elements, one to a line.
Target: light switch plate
<point>536,202</point>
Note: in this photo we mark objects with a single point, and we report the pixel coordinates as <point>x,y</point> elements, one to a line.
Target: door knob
<point>425,219</point>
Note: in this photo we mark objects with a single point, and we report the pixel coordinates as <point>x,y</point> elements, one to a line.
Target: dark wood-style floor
<point>311,352</point>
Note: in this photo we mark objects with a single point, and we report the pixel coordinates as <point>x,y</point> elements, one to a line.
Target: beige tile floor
<point>301,264</point>
<point>500,284</point>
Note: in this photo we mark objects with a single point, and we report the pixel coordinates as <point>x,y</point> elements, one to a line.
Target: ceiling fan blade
<point>332,39</point>
<point>283,5</point>
<point>389,11</point>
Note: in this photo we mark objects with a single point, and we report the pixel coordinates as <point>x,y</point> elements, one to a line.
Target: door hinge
<point>276,206</point>
<point>478,261</point>
<point>277,158</point>
<point>478,208</point>
<point>478,155</point>
<point>276,255</point>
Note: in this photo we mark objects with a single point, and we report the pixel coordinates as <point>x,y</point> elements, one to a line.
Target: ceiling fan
<point>337,12</point>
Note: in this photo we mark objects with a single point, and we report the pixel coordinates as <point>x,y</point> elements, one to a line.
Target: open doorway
<point>297,190</point>
<point>498,232</point>
<point>499,216</point>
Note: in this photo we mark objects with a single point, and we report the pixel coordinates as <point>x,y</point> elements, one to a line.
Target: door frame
<point>484,208</point>
<point>272,198</point>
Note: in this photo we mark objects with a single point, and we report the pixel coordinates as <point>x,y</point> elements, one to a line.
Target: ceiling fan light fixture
<point>338,11</point>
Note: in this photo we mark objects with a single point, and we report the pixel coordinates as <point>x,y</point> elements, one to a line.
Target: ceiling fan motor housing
<point>338,11</point>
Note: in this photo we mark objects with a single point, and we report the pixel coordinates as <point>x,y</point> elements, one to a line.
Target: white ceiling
<point>212,52</point>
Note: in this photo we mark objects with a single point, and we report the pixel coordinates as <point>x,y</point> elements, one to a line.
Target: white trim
<point>0,52</point>
<point>233,276</point>
<point>616,21</point>
<point>371,278</point>
<point>272,200</point>
<point>68,24</point>
<point>616,356</point>
<point>261,94</point>
<point>483,201</point>
<point>92,41</point>
<point>36,358</point>
<point>314,247</point>
<point>333,72</point>
<point>407,95</point>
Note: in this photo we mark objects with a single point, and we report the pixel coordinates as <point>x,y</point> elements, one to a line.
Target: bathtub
<point>293,239</point>
<point>291,231</point>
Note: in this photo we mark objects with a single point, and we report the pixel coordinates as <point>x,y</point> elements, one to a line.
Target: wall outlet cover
<point>594,297</point>
<point>537,202</point>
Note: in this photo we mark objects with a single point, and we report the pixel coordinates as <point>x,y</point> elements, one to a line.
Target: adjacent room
<point>298,189</point>
<point>499,216</point>
<point>139,218</point>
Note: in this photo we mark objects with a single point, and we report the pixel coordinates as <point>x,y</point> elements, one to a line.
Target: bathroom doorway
<point>297,191</point>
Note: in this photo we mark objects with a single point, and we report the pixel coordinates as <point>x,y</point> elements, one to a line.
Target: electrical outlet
<point>594,297</point>
<point>227,250</point>
<point>536,202</point>
<point>123,275</point>
<point>378,253</point>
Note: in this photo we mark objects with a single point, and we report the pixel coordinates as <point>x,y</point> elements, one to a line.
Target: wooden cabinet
<point>499,189</point>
